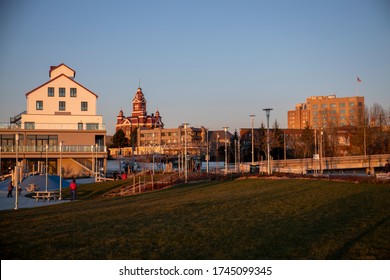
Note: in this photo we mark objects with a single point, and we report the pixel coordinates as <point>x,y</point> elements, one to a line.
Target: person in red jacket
<point>73,188</point>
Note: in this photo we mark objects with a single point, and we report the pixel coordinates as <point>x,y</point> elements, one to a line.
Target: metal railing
<point>54,126</point>
<point>55,149</point>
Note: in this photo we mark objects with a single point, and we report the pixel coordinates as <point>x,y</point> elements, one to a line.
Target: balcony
<point>54,126</point>
<point>54,149</point>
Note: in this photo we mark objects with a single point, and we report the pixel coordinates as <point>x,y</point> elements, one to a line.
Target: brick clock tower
<point>139,116</point>
<point>139,104</point>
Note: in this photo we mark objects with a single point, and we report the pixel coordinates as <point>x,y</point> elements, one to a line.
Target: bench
<point>382,176</point>
<point>45,195</point>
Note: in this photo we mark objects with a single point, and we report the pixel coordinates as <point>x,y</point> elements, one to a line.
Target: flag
<point>358,80</point>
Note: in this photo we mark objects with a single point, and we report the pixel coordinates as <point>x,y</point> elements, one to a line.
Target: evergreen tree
<point>119,139</point>
<point>276,141</point>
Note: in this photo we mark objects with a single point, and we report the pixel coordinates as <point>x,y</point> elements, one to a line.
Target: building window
<point>61,92</point>
<point>84,106</point>
<point>62,106</point>
<point>324,106</point>
<point>342,105</point>
<point>73,92</point>
<point>351,104</point>
<point>29,125</point>
<point>333,105</point>
<point>92,126</point>
<point>342,111</point>
<point>80,126</point>
<point>360,104</point>
<point>50,91</point>
<point>39,105</point>
<point>315,106</point>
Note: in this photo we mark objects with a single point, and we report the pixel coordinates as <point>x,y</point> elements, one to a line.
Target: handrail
<point>87,126</point>
<point>55,149</point>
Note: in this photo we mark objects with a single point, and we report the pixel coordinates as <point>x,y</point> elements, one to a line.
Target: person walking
<point>10,188</point>
<point>387,166</point>
<point>73,189</point>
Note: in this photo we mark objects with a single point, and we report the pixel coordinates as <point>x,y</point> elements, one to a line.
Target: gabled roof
<point>62,75</point>
<point>52,68</point>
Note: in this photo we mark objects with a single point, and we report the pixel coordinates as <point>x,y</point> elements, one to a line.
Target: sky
<point>209,63</point>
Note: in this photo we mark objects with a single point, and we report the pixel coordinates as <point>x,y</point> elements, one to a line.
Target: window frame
<point>50,92</point>
<point>60,107</point>
<point>85,107</point>
<point>61,92</point>
<point>73,92</point>
<point>39,105</point>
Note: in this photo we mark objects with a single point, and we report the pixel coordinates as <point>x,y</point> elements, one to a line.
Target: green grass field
<point>241,219</point>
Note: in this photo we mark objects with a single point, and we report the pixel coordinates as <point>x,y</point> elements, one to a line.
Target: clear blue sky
<point>209,63</point>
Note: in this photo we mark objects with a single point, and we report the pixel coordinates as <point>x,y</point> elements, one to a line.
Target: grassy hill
<point>241,219</point>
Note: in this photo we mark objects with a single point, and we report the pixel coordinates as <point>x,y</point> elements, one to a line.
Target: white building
<point>60,122</point>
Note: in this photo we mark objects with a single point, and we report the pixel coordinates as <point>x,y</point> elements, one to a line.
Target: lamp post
<point>235,155</point>
<point>16,177</point>
<point>239,154</point>
<point>96,162</point>
<point>46,169</point>
<point>152,175</point>
<point>321,154</point>
<point>217,155</point>
<point>267,113</point>
<point>60,198</point>
<point>185,153</point>
<point>153,153</point>
<point>207,151</point>
<point>226,159</point>
<point>93,163</point>
<point>253,145</point>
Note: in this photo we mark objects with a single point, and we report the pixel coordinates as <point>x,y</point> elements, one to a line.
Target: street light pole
<point>46,169</point>
<point>185,152</point>
<point>253,144</point>
<point>153,153</point>
<point>226,159</point>
<point>96,162</point>
<point>217,155</point>
<point>60,198</point>
<point>16,171</point>
<point>207,151</point>
<point>268,112</point>
<point>235,155</point>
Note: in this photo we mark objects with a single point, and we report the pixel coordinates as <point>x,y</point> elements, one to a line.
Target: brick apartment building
<point>327,111</point>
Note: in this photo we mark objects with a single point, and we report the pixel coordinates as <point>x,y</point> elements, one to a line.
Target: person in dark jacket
<point>10,188</point>
<point>387,166</point>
